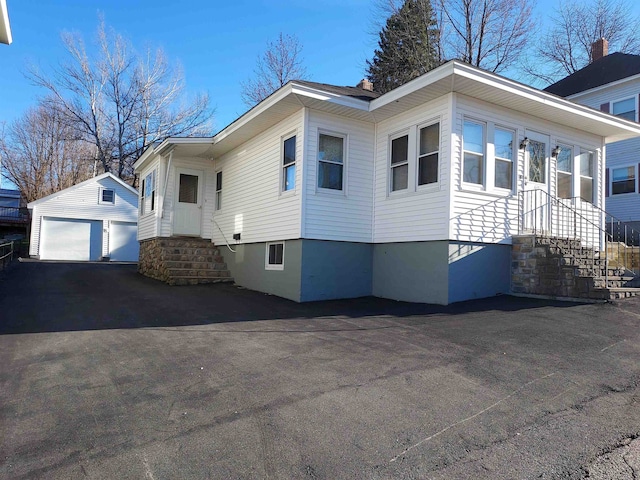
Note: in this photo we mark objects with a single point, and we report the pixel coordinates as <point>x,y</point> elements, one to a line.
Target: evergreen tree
<point>407,48</point>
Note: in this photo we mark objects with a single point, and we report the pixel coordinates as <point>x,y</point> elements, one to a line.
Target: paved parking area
<point>107,374</point>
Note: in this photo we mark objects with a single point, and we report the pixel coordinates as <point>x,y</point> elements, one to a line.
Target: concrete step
<point>218,263</point>
<point>624,292</point>
<point>181,281</point>
<point>198,273</point>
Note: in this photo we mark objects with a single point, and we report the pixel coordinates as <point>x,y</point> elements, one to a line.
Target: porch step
<point>184,261</point>
<point>615,293</point>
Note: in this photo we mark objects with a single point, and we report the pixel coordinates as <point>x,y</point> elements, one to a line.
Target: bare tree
<point>280,63</point>
<point>566,46</point>
<point>121,102</point>
<point>41,153</point>
<point>490,34</point>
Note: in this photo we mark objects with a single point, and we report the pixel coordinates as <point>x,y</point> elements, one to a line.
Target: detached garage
<point>94,220</point>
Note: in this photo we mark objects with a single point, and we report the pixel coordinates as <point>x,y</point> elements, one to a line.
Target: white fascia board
<point>422,81</point>
<point>81,184</point>
<point>253,113</point>
<point>5,26</point>
<point>545,98</point>
<point>602,87</point>
<point>336,98</point>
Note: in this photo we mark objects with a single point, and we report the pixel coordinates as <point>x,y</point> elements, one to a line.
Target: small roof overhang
<point>5,27</point>
<point>458,77</point>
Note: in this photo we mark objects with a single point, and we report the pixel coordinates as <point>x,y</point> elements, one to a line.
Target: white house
<point>93,220</point>
<point>335,192</point>
<point>611,83</point>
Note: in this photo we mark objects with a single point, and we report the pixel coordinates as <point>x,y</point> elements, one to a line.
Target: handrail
<point>541,210</point>
<point>6,255</point>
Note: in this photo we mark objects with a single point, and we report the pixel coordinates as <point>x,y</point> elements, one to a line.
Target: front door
<point>537,200</point>
<point>187,213</point>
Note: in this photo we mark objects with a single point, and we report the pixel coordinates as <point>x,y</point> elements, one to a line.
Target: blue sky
<point>216,42</point>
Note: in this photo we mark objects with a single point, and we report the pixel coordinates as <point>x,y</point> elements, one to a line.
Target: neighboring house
<point>336,192</point>
<point>611,83</point>
<point>9,198</point>
<point>93,220</point>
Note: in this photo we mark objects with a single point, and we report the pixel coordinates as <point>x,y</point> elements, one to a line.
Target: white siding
<point>252,202</point>
<point>490,215</point>
<point>166,213</point>
<point>418,214</point>
<point>340,215</point>
<point>148,223</point>
<point>624,206</point>
<point>82,202</point>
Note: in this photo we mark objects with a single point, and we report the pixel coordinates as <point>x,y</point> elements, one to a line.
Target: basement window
<point>275,256</point>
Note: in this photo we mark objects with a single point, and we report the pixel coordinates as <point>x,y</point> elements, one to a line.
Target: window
<point>428,154</point>
<point>400,163</point>
<point>218,190</point>
<point>289,164</point>
<point>330,162</point>
<point>625,108</point>
<point>503,143</point>
<point>275,256</point>
<point>473,139</point>
<point>148,202</point>
<point>107,195</point>
<point>188,188</point>
<point>564,187</point>
<point>586,176</point>
<point>537,161</point>
<point>624,180</point>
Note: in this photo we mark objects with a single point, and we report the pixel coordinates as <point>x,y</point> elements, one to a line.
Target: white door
<point>537,180</point>
<point>187,212</point>
<point>123,242</point>
<point>70,239</point>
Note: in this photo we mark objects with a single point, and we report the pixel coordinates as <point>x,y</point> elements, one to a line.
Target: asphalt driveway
<point>107,374</point>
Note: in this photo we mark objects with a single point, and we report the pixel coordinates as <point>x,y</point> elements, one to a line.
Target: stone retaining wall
<point>151,261</point>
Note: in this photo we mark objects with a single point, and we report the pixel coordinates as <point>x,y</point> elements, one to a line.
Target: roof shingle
<point>605,70</point>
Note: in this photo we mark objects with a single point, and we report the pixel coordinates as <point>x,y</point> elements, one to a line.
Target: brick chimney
<point>599,49</point>
<point>365,85</point>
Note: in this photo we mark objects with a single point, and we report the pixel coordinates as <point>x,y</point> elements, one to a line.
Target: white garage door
<point>70,239</point>
<point>123,242</point>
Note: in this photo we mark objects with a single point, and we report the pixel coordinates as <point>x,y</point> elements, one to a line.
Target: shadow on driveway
<point>38,297</point>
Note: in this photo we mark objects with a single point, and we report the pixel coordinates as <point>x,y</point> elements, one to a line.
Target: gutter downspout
<point>166,181</point>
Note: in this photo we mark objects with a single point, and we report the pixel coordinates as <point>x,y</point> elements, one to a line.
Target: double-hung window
<point>586,176</point>
<point>400,163</point>
<point>564,183</point>
<point>331,151</point>
<point>148,201</point>
<point>289,164</point>
<point>503,144</point>
<point>218,190</point>
<point>624,180</point>
<point>473,146</point>
<point>625,108</point>
<point>429,150</point>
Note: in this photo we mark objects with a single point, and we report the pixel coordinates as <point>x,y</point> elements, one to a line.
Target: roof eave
<point>5,26</point>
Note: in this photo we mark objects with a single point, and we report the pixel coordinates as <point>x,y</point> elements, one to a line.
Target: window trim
<point>390,167</point>
<point>151,198</point>
<point>284,166</point>
<point>496,158</point>
<point>483,179</point>
<point>345,155</point>
<point>635,179</point>
<point>101,199</point>
<point>571,174</point>
<point>273,266</point>
<point>218,192</point>
<point>635,106</point>
<point>420,126</point>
